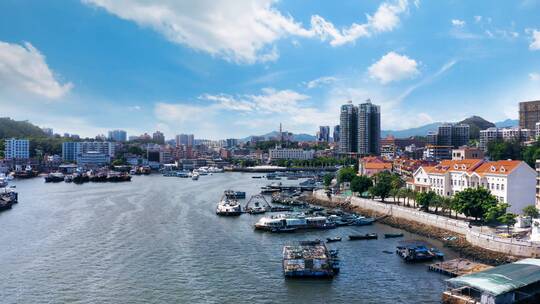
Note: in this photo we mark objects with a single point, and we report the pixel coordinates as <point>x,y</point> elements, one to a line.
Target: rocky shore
<point>458,244</point>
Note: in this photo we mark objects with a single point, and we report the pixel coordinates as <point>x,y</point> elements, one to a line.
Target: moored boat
<point>54,177</point>
<point>292,220</point>
<point>367,236</point>
<point>393,235</point>
<point>309,259</point>
<point>417,251</point>
<point>228,207</point>
<point>334,239</point>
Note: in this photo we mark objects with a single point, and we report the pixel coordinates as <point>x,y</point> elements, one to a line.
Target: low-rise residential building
<point>506,134</point>
<point>406,167</point>
<point>16,149</point>
<point>371,165</point>
<point>467,153</point>
<point>436,153</point>
<point>511,181</point>
<point>285,153</point>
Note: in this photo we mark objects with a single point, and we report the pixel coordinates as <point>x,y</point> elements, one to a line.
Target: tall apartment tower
<point>369,129</point>
<point>529,114</point>
<point>348,128</point>
<point>324,134</point>
<point>336,133</point>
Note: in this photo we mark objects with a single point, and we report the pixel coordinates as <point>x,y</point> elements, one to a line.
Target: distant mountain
<point>418,131</point>
<point>295,137</point>
<point>507,123</point>
<point>19,129</point>
<point>476,123</point>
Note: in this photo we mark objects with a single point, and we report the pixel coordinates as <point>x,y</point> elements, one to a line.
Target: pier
<point>458,267</point>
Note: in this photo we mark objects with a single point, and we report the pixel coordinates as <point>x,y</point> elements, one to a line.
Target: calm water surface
<point>157,240</point>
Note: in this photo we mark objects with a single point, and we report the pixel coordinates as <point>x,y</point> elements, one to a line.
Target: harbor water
<point>158,240</point>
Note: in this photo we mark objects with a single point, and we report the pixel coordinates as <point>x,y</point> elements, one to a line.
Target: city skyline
<point>298,64</point>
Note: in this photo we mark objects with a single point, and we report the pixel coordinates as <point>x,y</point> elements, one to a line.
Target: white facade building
<point>492,134</point>
<point>283,153</point>
<point>17,148</point>
<point>511,181</point>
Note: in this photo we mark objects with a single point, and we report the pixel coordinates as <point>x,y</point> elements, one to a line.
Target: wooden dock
<point>458,267</point>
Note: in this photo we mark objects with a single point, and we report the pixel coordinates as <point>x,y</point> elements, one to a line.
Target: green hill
<point>476,124</point>
<point>19,129</point>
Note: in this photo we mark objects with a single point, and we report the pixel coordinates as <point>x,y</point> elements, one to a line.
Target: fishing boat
<point>362,221</point>
<point>309,259</point>
<point>228,207</point>
<point>417,251</point>
<point>393,235</point>
<point>235,194</point>
<point>54,177</point>
<point>334,239</point>
<point>367,236</point>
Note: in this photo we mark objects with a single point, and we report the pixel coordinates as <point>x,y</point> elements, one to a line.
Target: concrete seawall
<point>474,237</point>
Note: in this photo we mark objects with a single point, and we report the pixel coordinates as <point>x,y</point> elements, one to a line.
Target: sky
<point>234,68</point>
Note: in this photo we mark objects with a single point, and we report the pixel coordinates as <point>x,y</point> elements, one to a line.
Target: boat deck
<point>458,267</point>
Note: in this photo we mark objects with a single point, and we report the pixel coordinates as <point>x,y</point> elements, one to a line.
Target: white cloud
<point>477,18</point>
<point>535,40</point>
<point>534,76</point>
<point>23,70</point>
<point>393,67</point>
<point>320,81</point>
<point>242,30</point>
<point>270,101</point>
<point>458,23</point>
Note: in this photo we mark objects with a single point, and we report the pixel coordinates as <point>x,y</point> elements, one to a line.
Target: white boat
<point>228,207</point>
<point>3,180</point>
<point>194,176</point>
<point>292,220</point>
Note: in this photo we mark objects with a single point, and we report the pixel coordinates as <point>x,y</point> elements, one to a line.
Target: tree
<point>426,199</point>
<point>531,211</point>
<point>493,213</point>
<point>504,149</point>
<point>447,203</point>
<point>346,175</point>
<point>474,202</point>
<point>507,219</point>
<point>361,184</point>
<point>382,185</point>
<point>327,179</point>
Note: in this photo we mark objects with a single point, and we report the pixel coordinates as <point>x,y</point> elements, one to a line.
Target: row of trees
<point>315,162</point>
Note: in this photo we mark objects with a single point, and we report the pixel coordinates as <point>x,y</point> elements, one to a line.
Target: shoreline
<point>459,245</point>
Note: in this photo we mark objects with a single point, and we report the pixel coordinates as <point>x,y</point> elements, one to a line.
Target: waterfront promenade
<point>476,236</point>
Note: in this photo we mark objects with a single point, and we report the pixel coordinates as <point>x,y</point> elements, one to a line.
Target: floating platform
<point>458,267</point>
<point>309,259</point>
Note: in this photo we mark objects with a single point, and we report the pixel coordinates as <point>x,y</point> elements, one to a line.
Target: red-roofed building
<point>371,165</point>
<point>511,181</point>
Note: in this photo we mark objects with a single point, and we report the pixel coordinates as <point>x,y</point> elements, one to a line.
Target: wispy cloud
<point>320,82</point>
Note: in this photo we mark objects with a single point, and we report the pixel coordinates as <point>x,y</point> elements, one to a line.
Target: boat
<point>387,252</point>
<point>5,204</point>
<point>257,204</point>
<point>228,207</point>
<point>293,220</point>
<point>309,259</point>
<point>393,235</point>
<point>417,251</point>
<point>367,236</point>
<point>54,177</point>
<point>68,178</point>
<point>334,239</point>
<point>281,209</point>
<point>235,194</point>
<point>118,177</point>
<point>195,176</point>
<point>283,230</point>
<point>183,174</point>
<point>3,180</point>
<point>256,177</point>
<point>362,221</point>
<point>79,178</point>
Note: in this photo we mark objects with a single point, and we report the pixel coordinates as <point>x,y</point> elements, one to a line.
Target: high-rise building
<point>324,134</point>
<point>449,135</point>
<point>231,142</point>
<point>348,126</point>
<point>17,148</point>
<point>336,134</point>
<point>118,135</point>
<point>72,151</point>
<point>185,140</point>
<point>529,114</point>
<point>158,137</point>
<point>369,129</point>
<point>506,134</point>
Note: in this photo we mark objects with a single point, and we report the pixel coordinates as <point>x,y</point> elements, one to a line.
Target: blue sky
<point>240,67</point>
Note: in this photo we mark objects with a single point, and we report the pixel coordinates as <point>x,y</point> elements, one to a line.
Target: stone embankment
<point>455,234</point>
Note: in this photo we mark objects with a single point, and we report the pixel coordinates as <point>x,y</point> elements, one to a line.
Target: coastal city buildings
<point>493,134</point>
<point>529,114</point>
<point>324,134</point>
<point>511,181</point>
<point>284,153</point>
<point>348,126</point>
<point>453,135</point>
<point>118,135</point>
<point>436,153</point>
<point>231,142</point>
<point>369,129</point>
<point>372,165</point>
<point>465,152</point>
<point>336,134</point>
<point>87,152</point>
<point>158,138</point>
<point>185,139</point>
<point>17,149</point>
